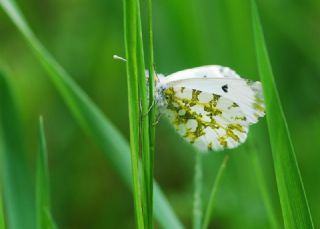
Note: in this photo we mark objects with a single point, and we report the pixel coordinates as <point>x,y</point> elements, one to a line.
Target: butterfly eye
<point>225,88</point>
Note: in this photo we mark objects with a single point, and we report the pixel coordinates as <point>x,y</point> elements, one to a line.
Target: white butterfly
<point>210,106</point>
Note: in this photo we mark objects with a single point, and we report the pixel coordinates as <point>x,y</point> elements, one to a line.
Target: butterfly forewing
<point>207,120</point>
<point>211,106</point>
<point>247,94</point>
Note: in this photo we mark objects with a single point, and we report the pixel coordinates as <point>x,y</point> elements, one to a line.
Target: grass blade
<point>144,133</point>
<point>130,28</point>
<point>105,135</point>
<point>262,184</point>
<point>295,209</point>
<point>44,219</point>
<point>197,199</point>
<point>17,182</point>
<point>152,112</point>
<point>208,212</point>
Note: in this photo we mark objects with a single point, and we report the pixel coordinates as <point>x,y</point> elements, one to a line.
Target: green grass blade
<point>105,135</point>
<point>131,44</point>
<point>197,198</point>
<point>152,112</point>
<point>209,209</point>
<point>144,133</point>
<point>44,219</point>
<point>17,182</point>
<point>262,184</point>
<point>295,209</point>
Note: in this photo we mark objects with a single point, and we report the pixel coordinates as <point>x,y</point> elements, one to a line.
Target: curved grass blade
<point>17,181</point>
<point>295,209</point>
<point>96,125</point>
<point>44,218</point>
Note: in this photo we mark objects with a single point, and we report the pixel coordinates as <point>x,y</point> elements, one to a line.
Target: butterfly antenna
<point>119,58</point>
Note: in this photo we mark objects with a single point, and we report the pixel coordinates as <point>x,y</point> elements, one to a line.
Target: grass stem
<point>152,112</point>
<point>263,189</point>
<point>42,182</point>
<point>197,198</point>
<point>130,25</point>
<point>215,186</point>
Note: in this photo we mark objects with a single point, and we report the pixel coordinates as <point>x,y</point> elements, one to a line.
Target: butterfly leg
<point>158,119</point>
<point>154,102</point>
<point>143,115</point>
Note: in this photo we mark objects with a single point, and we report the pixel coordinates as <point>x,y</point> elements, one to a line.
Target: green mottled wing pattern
<point>208,121</point>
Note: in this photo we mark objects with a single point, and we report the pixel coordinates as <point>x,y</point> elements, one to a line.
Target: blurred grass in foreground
<point>17,182</point>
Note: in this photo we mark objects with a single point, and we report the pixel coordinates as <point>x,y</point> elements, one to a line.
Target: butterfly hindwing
<point>207,120</point>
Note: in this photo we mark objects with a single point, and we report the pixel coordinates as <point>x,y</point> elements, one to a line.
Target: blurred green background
<point>83,35</point>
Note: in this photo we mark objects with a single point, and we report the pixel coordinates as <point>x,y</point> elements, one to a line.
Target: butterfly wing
<point>207,120</point>
<point>209,71</point>
<point>247,94</point>
<point>223,81</point>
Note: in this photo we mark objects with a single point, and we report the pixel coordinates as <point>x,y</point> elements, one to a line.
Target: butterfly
<point>211,107</point>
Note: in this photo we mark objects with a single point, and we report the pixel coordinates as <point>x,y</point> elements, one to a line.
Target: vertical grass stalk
<point>147,181</point>
<point>152,105</point>
<point>197,199</point>
<point>295,209</point>
<point>215,186</point>
<point>130,28</point>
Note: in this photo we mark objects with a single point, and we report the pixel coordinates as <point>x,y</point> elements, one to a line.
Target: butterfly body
<point>211,106</point>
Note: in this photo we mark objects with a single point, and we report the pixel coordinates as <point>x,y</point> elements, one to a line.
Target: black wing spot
<point>225,88</point>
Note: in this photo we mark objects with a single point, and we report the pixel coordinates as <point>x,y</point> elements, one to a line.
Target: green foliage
<point>90,117</point>
<point>295,209</point>
<point>17,182</point>
<point>197,196</point>
<point>131,43</point>
<point>215,186</point>
<point>43,206</point>
<point>152,111</point>
<point>141,135</point>
<point>262,183</point>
